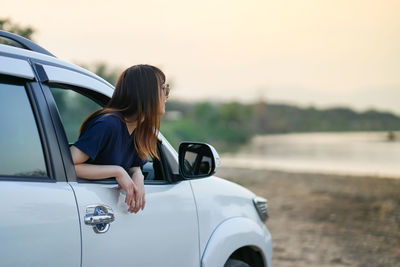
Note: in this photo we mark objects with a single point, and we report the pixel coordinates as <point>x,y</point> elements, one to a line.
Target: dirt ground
<point>328,220</point>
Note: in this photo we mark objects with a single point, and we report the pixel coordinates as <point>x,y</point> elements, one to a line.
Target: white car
<point>49,217</point>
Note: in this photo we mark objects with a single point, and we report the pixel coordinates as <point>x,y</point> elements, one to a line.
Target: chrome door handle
<point>97,219</point>
<point>100,217</point>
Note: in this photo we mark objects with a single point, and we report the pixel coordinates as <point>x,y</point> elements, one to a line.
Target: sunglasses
<point>165,88</point>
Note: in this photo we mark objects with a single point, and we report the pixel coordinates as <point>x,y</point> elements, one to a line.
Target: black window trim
<point>62,139</point>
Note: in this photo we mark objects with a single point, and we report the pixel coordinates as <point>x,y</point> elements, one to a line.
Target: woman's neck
<point>131,125</point>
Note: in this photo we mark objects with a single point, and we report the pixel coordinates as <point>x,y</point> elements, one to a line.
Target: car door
<point>39,217</point>
<point>165,233</point>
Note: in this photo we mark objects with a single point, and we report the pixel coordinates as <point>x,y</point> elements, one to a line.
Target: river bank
<point>328,220</point>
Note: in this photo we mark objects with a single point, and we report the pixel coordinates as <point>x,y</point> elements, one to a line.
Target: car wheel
<point>235,263</point>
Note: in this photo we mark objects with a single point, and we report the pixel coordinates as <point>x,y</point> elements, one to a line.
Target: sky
<point>307,52</point>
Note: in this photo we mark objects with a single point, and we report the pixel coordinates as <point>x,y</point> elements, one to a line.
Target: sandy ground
<point>328,220</point>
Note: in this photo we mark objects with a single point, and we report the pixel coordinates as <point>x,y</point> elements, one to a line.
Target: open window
<point>75,105</point>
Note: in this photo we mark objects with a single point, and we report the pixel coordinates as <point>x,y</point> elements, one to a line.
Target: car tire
<point>235,263</point>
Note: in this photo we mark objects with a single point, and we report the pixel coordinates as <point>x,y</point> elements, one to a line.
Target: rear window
<point>21,152</point>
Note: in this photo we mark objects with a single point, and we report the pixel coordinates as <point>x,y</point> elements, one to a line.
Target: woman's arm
<point>96,172</point>
<point>90,171</point>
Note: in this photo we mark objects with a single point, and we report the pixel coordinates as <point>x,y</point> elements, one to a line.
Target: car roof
<point>7,50</point>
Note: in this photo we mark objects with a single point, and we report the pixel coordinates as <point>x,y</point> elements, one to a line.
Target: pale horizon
<point>310,52</point>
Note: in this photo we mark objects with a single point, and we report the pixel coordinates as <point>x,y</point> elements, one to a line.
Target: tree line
<point>228,125</point>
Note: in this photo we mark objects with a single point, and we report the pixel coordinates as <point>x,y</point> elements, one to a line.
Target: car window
<point>74,107</point>
<point>21,152</point>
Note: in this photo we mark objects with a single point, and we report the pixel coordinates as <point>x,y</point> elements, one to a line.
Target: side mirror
<point>197,160</point>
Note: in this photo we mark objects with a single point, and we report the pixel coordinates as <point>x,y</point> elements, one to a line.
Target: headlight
<point>261,207</point>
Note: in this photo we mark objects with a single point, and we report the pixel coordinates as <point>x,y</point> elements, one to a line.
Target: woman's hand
<point>138,179</point>
<point>125,182</point>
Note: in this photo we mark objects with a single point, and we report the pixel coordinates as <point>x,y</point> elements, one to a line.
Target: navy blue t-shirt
<point>106,140</point>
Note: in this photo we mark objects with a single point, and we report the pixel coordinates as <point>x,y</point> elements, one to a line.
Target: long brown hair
<point>137,96</point>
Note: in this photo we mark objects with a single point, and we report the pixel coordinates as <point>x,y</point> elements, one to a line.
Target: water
<point>366,153</point>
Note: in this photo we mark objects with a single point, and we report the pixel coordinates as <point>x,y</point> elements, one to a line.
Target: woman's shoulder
<point>111,121</point>
<point>110,118</point>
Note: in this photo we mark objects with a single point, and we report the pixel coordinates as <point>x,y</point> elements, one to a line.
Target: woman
<point>116,140</point>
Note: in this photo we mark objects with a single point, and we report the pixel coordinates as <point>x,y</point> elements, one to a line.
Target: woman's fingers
<point>132,206</point>
<point>137,193</point>
<point>137,199</point>
<point>129,196</point>
<point>139,204</point>
<point>138,180</point>
<point>134,200</point>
